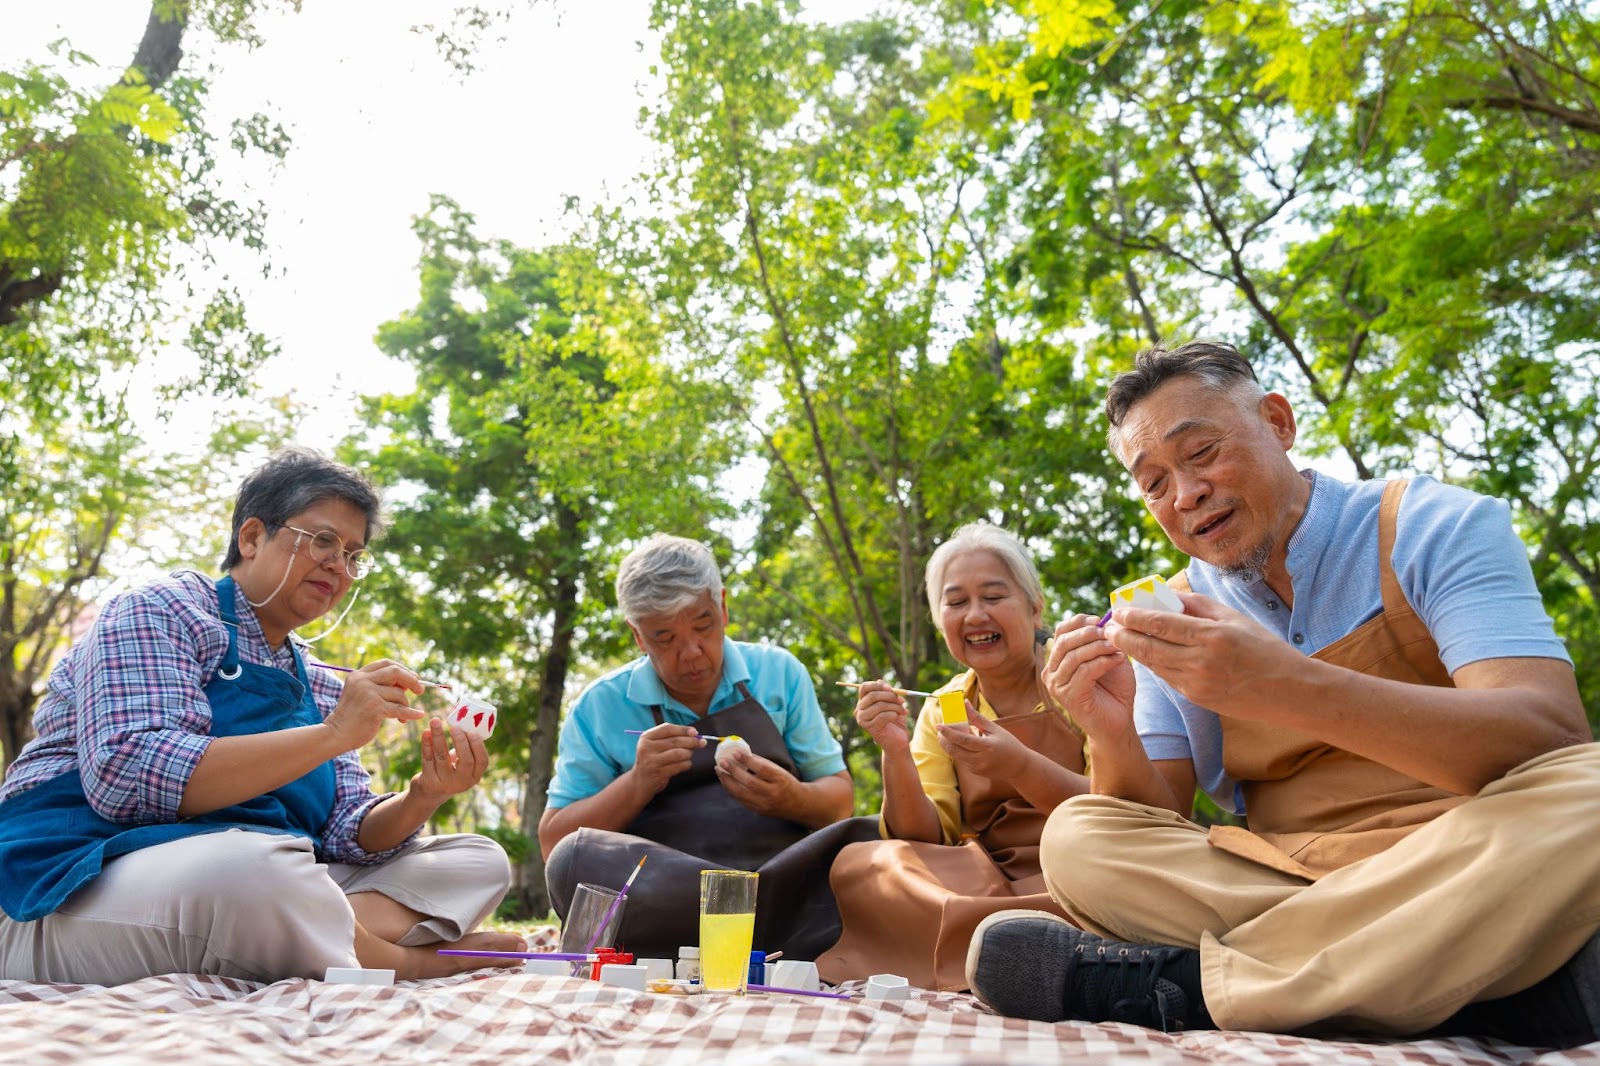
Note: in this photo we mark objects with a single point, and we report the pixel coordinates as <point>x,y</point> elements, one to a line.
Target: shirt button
<point>1299,638</point>
<point>1272,605</point>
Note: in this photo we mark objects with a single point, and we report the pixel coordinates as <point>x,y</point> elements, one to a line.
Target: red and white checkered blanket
<point>498,1018</point>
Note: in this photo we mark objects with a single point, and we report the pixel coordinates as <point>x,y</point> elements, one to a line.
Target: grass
<point>524,927</point>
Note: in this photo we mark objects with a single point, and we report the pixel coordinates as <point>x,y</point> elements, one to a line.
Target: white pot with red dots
<point>473,717</point>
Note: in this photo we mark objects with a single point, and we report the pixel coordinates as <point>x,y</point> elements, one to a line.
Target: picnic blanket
<point>499,1017</point>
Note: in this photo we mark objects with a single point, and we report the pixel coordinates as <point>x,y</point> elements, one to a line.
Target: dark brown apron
<point>910,907</point>
<point>1313,808</point>
<point>694,813</point>
<point>695,824</point>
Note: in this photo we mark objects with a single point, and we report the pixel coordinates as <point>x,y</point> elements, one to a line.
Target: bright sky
<point>379,121</point>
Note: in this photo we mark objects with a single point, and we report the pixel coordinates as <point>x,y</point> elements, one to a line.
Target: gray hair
<point>665,574</point>
<point>1218,365</point>
<point>982,536</point>
<point>291,480</point>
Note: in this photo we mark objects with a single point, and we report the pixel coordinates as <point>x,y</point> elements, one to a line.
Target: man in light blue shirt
<point>641,771</point>
<point>596,748</point>
<point>1367,673</point>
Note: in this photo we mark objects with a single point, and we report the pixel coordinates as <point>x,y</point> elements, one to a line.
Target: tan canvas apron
<point>910,907</point>
<point>1313,808</point>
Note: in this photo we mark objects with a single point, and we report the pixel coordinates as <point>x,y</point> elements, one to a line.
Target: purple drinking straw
<point>797,992</point>
<point>560,956</point>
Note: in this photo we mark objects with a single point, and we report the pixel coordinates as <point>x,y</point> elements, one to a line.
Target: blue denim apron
<point>53,843</point>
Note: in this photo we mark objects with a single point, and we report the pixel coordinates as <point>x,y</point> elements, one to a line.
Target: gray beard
<point>1253,566</point>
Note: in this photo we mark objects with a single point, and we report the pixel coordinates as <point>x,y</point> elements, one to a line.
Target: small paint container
<point>548,967</point>
<point>757,974</point>
<point>793,973</point>
<point>888,988</point>
<point>953,705</point>
<point>608,957</point>
<point>355,975</point>
<point>689,965</point>
<point>623,975</point>
<point>656,969</point>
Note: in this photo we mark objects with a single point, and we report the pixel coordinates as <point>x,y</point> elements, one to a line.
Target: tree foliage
<point>839,250</point>
<point>1390,206</point>
<point>103,191</point>
<point>542,436</point>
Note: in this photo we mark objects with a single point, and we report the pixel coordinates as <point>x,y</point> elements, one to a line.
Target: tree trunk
<point>16,720</point>
<point>535,899</point>
<point>161,48</point>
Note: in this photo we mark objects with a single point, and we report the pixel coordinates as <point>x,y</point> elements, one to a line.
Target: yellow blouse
<point>935,768</point>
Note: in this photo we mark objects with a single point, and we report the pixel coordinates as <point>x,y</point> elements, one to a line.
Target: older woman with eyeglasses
<point>193,801</point>
<point>964,802</point>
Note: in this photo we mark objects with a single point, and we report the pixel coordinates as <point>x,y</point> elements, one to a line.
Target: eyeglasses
<point>325,545</point>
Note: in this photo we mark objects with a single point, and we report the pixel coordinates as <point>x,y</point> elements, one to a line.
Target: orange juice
<point>725,941</point>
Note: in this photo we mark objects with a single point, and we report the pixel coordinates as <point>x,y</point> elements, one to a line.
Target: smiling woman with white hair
<point>964,801</point>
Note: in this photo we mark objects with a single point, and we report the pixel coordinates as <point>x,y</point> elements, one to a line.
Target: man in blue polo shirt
<point>1367,673</point>
<point>636,774</point>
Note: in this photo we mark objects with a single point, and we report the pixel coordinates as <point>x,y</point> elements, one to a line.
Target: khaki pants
<point>1484,901</point>
<point>255,906</point>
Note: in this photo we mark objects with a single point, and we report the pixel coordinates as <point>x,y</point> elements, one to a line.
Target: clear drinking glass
<point>727,928</point>
<point>591,905</point>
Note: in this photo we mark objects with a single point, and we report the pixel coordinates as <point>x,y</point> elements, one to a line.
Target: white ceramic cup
<point>794,973</point>
<point>623,975</point>
<point>888,987</point>
<point>656,969</point>
<point>547,967</point>
<point>473,717</point>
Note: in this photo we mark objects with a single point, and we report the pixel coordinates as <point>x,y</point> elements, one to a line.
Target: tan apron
<point>910,907</point>
<point>1314,808</point>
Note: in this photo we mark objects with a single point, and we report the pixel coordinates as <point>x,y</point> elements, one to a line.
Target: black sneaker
<point>1562,1011</point>
<point>1031,964</point>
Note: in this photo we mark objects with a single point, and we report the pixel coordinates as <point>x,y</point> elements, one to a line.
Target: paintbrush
<point>897,691</point>
<point>641,732</point>
<point>351,670</point>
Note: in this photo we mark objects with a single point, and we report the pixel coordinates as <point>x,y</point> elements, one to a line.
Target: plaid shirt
<point>127,710</point>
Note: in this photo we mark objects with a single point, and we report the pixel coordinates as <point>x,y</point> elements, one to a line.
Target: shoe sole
<point>996,918</point>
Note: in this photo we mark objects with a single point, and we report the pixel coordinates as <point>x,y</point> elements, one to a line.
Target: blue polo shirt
<point>594,749</point>
<point>1461,565</point>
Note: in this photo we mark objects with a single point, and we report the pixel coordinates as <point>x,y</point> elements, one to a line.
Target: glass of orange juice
<point>727,928</point>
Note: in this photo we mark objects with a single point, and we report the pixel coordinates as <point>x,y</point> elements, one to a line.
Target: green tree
<point>1390,206</point>
<point>543,435</point>
<point>99,190</point>
<point>841,250</point>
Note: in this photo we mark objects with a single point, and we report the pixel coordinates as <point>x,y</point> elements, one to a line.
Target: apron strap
<point>229,669</point>
<point>1394,600</point>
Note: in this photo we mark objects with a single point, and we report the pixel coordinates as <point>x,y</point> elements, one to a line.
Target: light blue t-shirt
<point>594,749</point>
<point>1461,566</point>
